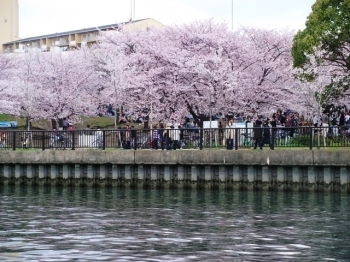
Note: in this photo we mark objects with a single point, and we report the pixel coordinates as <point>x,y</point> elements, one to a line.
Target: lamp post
<point>210,115</point>
<point>203,71</point>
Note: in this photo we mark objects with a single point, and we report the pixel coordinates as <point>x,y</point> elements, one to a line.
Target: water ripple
<point>65,224</point>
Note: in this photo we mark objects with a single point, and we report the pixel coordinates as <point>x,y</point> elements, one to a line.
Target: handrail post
<point>103,139</point>
<point>14,140</point>
<point>311,130</point>
<point>43,140</point>
<point>237,131</point>
<point>135,139</point>
<point>73,136</point>
<point>201,138</point>
<point>272,142</point>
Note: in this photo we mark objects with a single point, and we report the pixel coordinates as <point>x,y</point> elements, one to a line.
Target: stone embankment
<point>282,170</point>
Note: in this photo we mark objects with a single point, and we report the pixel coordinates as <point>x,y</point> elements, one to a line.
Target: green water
<point>85,224</point>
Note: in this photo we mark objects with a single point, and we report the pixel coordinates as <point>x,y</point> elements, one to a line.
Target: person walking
<point>98,138</point>
<point>168,136</point>
<point>229,134</point>
<point>161,135</point>
<point>258,135</point>
<point>266,133</point>
<point>176,137</point>
<point>65,124</point>
<point>54,136</point>
<point>127,137</point>
<point>133,134</point>
<point>155,137</point>
<point>3,139</point>
<point>288,129</point>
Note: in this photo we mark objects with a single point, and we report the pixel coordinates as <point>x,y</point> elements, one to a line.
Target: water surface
<point>86,224</point>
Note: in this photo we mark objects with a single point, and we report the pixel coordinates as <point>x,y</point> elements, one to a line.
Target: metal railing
<point>172,139</point>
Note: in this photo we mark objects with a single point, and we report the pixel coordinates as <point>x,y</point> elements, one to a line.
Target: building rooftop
<point>73,32</point>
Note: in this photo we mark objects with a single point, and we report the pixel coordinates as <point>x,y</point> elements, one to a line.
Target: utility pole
<point>132,10</point>
<point>232,15</point>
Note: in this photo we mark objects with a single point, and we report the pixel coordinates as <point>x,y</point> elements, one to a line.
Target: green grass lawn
<point>105,122</point>
<point>5,117</point>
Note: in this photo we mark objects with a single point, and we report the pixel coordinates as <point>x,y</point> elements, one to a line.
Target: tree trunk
<point>145,124</point>
<point>116,118</point>
<point>53,123</point>
<point>28,123</point>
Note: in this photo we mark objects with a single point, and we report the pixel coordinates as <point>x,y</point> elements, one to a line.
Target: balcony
<point>89,39</point>
<point>63,42</point>
<point>19,50</point>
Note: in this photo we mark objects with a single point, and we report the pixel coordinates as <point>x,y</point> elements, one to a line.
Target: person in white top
<point>175,137</point>
<point>229,134</point>
<point>99,138</point>
<point>315,120</point>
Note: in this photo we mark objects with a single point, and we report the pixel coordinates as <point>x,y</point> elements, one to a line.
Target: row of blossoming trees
<point>171,72</point>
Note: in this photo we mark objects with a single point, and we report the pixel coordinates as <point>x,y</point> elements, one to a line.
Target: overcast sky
<point>39,17</point>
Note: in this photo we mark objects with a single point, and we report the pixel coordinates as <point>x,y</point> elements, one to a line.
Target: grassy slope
<point>104,122</point>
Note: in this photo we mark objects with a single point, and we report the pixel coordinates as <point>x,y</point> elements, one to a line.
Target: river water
<point>94,224</point>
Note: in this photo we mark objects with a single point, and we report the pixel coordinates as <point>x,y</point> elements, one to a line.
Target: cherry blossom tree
<point>67,84</point>
<point>318,84</point>
<point>318,81</point>
<point>202,68</point>
<point>111,65</point>
<point>8,67</point>
<point>199,69</point>
<point>266,71</point>
<point>24,91</point>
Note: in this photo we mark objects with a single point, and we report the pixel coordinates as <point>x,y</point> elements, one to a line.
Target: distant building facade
<point>9,21</point>
<point>71,39</point>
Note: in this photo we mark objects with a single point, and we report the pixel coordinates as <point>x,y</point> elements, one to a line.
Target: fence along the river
<point>215,138</point>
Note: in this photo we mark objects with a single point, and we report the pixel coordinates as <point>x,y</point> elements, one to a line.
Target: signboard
<point>8,124</point>
<point>243,125</point>
<point>214,124</point>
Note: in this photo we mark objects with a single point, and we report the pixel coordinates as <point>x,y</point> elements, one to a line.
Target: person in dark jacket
<point>161,135</point>
<point>258,135</point>
<point>266,133</point>
<point>342,119</point>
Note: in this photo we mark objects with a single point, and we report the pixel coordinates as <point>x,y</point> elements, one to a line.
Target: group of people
<point>66,125</point>
<point>284,125</point>
<point>167,137</point>
<point>177,136</point>
<point>261,129</point>
<point>262,132</point>
<point>337,122</point>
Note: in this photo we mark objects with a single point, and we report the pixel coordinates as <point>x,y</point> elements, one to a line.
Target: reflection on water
<point>85,224</point>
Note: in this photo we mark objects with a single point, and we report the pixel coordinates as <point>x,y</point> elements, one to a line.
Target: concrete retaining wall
<point>285,170</point>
